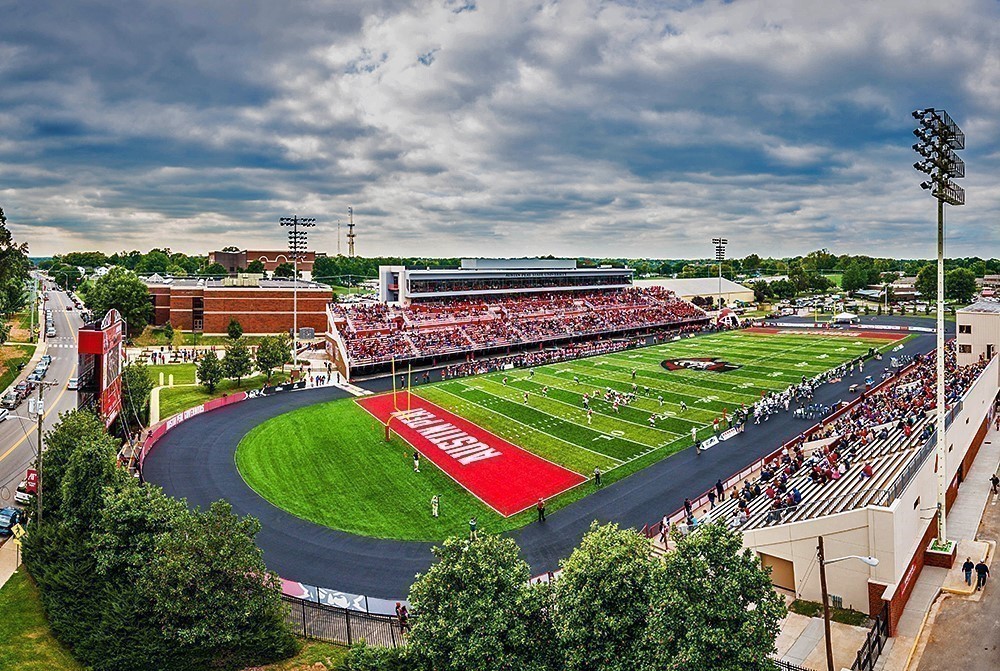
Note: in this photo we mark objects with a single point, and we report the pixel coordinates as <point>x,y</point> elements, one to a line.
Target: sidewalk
<point>10,559</point>
<point>918,623</point>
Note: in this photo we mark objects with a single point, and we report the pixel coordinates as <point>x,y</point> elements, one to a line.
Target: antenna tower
<point>350,232</point>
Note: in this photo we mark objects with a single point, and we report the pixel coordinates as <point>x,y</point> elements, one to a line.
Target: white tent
<point>845,318</point>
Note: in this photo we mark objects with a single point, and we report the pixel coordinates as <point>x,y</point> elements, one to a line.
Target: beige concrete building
<point>704,287</point>
<point>978,327</point>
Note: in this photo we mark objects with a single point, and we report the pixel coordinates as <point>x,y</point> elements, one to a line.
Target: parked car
<point>11,400</point>
<point>21,495</point>
<point>46,359</point>
<point>73,384</point>
<point>8,518</point>
<point>50,332</point>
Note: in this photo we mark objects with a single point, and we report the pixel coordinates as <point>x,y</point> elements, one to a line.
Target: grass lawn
<point>843,615</point>
<point>330,656</point>
<point>183,373</point>
<point>154,337</point>
<point>176,399</point>
<point>836,278</point>
<point>10,357</point>
<point>330,463</point>
<point>26,642</point>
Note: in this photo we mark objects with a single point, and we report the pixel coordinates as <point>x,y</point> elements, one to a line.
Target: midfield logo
<point>714,364</point>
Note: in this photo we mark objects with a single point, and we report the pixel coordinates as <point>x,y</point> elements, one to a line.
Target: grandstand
<point>496,307</point>
<point>864,479</point>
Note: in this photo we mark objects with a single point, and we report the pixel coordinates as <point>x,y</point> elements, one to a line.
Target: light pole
<point>938,137</point>
<point>296,246</point>
<point>823,562</point>
<point>720,256</point>
<point>40,416</point>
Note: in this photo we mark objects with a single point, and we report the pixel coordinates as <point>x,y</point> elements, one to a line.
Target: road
<point>18,433</point>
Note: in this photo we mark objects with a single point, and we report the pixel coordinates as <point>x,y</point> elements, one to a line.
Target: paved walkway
<point>950,634</point>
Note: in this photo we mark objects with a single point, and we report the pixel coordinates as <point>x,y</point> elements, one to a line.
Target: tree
<point>926,282</point>
<point>216,269</point>
<point>13,296</point>
<point>176,271</point>
<point>210,371</point>
<point>13,256</point>
<point>124,291</point>
<point>272,352</point>
<point>235,329</point>
<point>257,266</point>
<point>237,363</point>
<point>137,384</point>
<point>284,270</point>
<point>168,333</point>
<point>477,610</point>
<point>212,593</point>
<point>596,628</point>
<point>960,285</point>
<point>90,468</point>
<point>156,261</point>
<point>713,607</point>
<point>74,428</point>
<point>761,291</point>
<point>855,277</point>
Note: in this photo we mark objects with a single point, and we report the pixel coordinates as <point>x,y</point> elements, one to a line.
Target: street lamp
<point>938,137</point>
<point>720,256</point>
<point>296,246</point>
<point>823,563</point>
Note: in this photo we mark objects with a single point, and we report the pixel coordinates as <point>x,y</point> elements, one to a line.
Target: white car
<point>50,332</point>
<point>73,384</point>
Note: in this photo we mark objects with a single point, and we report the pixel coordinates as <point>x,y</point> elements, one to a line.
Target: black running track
<point>195,461</point>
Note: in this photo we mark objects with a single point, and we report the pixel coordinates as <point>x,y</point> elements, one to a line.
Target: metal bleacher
<point>888,456</point>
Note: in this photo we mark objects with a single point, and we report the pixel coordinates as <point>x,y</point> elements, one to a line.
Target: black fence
<point>779,665</point>
<point>341,625</point>
<point>874,643</point>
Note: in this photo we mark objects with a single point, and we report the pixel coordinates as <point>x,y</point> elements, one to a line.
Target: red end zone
<point>498,473</point>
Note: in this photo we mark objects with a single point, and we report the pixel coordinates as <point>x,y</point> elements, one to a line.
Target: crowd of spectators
<point>898,405</point>
<point>377,333</point>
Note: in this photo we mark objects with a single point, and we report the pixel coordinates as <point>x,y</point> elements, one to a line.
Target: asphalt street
<point>18,433</point>
<point>195,461</point>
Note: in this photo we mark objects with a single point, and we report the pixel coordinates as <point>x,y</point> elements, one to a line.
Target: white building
<point>978,328</point>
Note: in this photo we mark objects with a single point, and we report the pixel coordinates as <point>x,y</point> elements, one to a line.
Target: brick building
<point>262,306</point>
<point>237,261</point>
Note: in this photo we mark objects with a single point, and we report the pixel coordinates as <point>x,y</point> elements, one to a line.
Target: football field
<point>331,464</point>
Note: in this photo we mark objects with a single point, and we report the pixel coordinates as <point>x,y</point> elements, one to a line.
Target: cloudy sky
<point>495,128</point>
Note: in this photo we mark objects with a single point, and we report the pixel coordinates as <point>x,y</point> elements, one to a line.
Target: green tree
<point>74,428</point>
<point>926,282</point>
<point>237,364</point>
<point>124,291</point>
<point>90,468</point>
<point>210,371</point>
<point>216,270</point>
<point>256,266</point>
<point>13,296</point>
<point>156,261</point>
<point>761,291</point>
<point>212,593</point>
<point>960,285</point>
<point>855,277</point>
<point>137,384</point>
<point>272,352</point>
<point>284,270</point>
<point>176,270</point>
<point>235,329</point>
<point>477,611</point>
<point>713,607</point>
<point>13,256</point>
<point>598,628</point>
<point>168,333</point>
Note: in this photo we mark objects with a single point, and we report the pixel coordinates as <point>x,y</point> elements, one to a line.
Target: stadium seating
<point>378,333</point>
<point>886,433</point>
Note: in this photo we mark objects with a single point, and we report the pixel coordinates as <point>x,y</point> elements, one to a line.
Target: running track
<point>195,461</point>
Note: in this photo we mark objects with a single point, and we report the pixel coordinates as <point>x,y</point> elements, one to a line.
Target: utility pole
<point>296,246</point>
<point>40,414</point>
<point>338,237</point>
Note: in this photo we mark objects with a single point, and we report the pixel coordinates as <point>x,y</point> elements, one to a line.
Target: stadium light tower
<point>296,246</point>
<point>720,256</point>
<point>938,137</point>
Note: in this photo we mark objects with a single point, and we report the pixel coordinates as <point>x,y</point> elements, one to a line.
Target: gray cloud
<point>501,128</point>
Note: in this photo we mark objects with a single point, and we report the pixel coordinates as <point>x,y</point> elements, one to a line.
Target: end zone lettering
<point>447,437</point>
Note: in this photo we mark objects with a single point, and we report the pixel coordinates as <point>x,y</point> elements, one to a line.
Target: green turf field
<point>330,463</point>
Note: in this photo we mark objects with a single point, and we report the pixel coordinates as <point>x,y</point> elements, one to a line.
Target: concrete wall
<point>985,331</point>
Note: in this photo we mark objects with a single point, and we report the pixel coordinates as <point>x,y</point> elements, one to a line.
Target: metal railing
<point>310,619</point>
<point>781,665</point>
<point>874,643</point>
